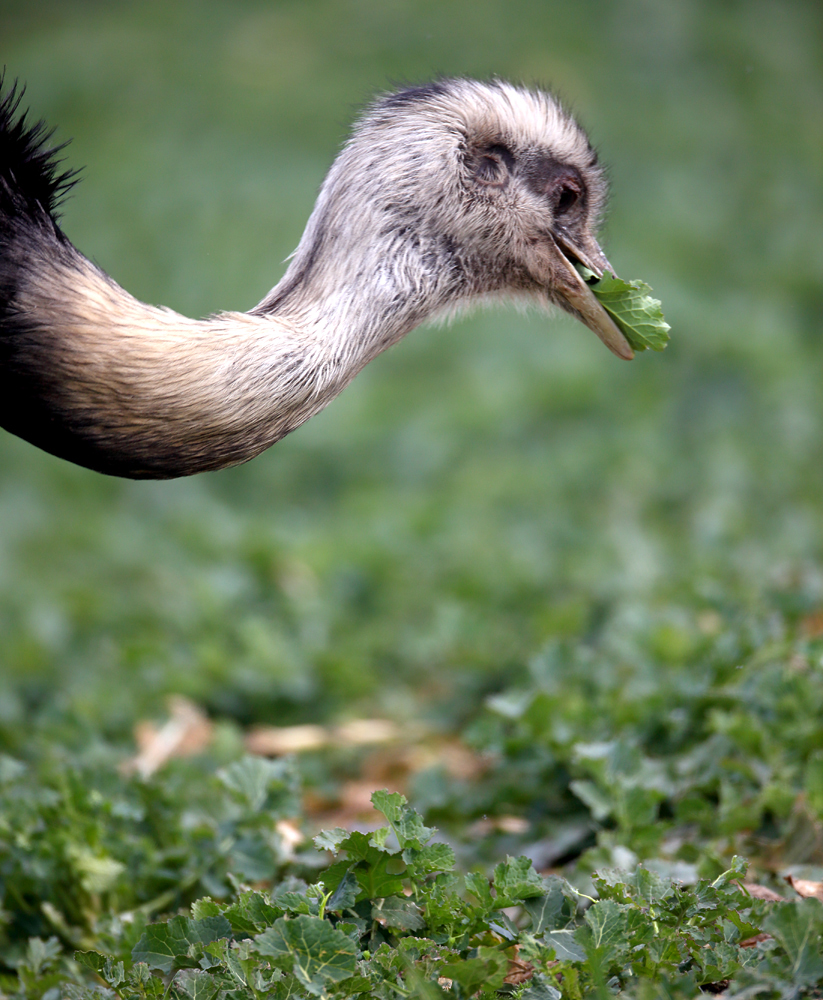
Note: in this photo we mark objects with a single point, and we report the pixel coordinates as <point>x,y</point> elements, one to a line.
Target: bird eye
<point>567,198</point>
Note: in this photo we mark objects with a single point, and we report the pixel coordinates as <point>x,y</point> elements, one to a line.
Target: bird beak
<point>579,298</point>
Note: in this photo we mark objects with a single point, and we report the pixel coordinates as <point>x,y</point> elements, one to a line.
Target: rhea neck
<point>132,390</point>
<point>360,281</point>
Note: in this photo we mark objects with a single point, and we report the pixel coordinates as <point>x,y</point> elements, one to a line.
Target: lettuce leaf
<point>637,314</point>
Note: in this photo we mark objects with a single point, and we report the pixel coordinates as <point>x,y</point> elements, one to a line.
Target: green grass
<point>606,577</point>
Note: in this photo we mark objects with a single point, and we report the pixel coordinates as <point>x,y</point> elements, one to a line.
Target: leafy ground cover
<point>390,917</point>
<point>587,596</point>
<point>641,797</point>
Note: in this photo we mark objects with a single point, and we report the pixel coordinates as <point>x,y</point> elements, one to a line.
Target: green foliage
<point>437,933</point>
<point>82,848</point>
<point>311,949</point>
<point>639,316</point>
<point>608,750</point>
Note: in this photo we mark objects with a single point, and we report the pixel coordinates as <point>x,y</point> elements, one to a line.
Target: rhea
<point>445,195</point>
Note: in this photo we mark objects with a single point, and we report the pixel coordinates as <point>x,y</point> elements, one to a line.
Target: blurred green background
<point>484,488</point>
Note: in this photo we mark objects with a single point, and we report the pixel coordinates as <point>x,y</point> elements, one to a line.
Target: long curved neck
<point>360,282</point>
<point>132,390</point>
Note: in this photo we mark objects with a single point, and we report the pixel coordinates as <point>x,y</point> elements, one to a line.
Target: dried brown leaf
<point>812,625</point>
<point>806,888</point>
<point>752,941</point>
<point>362,731</point>
<point>519,972</point>
<point>290,835</point>
<point>511,824</point>
<point>274,741</point>
<point>763,892</point>
<point>188,731</point>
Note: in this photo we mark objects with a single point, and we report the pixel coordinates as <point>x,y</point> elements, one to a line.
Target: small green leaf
<point>382,877</point>
<point>798,927</point>
<point>379,837</point>
<point>590,795</point>
<point>406,822</point>
<point>292,895</point>
<point>251,913</point>
<point>398,913</point>
<point>515,879</point>
<point>296,902</point>
<point>205,907</point>
<point>431,858</point>
<point>142,983</point>
<point>551,909</point>
<point>375,869</point>
<point>539,988</point>
<point>254,780</point>
<point>566,948</point>
<point>91,959</point>
<point>629,303</point>
<point>316,952</point>
<point>356,984</point>
<point>444,906</point>
<point>196,985</point>
<point>105,966</point>
<point>165,945</point>
<point>345,895</point>
<point>359,847</point>
<point>487,971</point>
<point>479,886</point>
<point>607,921</point>
<point>389,803</point>
<point>738,869</point>
<point>228,957</point>
<point>330,840</point>
<point>651,887</point>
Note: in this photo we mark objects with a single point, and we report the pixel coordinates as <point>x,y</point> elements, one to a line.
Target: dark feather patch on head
<point>411,95</point>
<point>30,175</point>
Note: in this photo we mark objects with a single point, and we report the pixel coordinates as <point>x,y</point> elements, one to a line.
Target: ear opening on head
<point>492,165</point>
